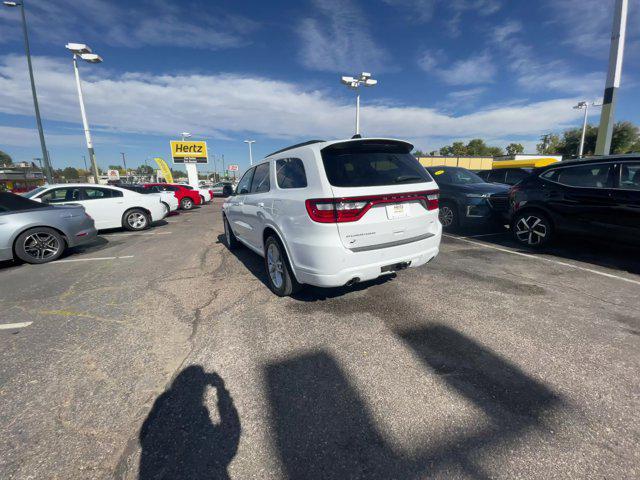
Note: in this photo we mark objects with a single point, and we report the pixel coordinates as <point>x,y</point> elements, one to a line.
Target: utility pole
<point>584,106</point>
<point>48,171</point>
<point>84,159</point>
<point>223,170</point>
<point>124,162</point>
<point>616,54</point>
<point>249,142</point>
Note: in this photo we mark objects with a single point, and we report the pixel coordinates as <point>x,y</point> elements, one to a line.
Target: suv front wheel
<point>532,228</point>
<point>281,280</point>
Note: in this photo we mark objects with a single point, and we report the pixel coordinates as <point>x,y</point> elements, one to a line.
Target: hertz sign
<point>189,152</point>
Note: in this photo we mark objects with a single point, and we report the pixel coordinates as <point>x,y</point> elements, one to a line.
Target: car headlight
<point>476,195</point>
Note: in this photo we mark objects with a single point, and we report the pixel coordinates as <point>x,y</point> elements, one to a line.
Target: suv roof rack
<point>303,144</point>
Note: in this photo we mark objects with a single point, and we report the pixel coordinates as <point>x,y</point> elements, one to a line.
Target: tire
<point>186,203</point>
<point>532,228</point>
<point>167,208</point>
<point>449,216</point>
<point>39,245</point>
<point>229,237</point>
<point>202,202</point>
<point>280,277</point>
<point>135,220</point>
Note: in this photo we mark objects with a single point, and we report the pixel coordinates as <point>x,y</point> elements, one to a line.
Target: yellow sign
<point>189,152</point>
<point>164,168</point>
<point>439,172</point>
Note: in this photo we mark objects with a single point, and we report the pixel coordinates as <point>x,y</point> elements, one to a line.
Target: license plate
<point>397,210</point>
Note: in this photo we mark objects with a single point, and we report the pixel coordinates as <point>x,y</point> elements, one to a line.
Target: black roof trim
<point>594,159</point>
<point>303,144</point>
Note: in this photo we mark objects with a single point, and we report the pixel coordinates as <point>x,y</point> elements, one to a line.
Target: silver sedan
<point>40,233</point>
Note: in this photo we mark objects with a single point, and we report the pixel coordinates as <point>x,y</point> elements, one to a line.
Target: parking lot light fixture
<point>48,171</point>
<point>84,52</point>
<point>355,83</point>
<point>249,142</point>
<point>185,135</point>
<point>584,106</point>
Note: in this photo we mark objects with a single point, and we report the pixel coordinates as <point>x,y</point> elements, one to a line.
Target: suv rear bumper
<point>348,265</point>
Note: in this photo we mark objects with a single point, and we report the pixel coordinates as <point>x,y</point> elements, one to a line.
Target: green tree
<point>515,149</point>
<point>625,137</point>
<point>144,170</point>
<point>475,147</point>
<point>549,144</point>
<point>70,173</point>
<point>5,159</point>
<point>418,153</point>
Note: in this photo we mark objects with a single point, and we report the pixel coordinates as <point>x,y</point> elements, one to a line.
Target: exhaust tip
<point>352,282</point>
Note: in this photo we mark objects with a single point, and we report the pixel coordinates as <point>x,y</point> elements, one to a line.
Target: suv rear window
<point>371,164</point>
<point>14,203</point>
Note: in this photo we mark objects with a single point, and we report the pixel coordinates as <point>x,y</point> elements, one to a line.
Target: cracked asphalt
<point>164,355</point>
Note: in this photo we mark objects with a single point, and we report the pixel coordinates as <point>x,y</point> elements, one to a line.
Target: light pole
<point>84,159</point>
<point>184,135</point>
<point>249,142</point>
<point>584,106</point>
<point>616,54</point>
<point>45,153</point>
<point>124,162</point>
<point>354,83</point>
<point>84,52</point>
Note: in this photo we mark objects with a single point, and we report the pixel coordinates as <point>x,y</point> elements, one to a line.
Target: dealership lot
<point>489,362</point>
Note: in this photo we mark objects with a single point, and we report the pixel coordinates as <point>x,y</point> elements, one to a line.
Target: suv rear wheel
<point>229,237</point>
<point>279,275</point>
<point>532,228</point>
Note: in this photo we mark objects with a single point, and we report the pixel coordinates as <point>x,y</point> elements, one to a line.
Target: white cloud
<point>478,68</point>
<point>535,74</point>
<point>148,23</point>
<point>231,106</point>
<point>419,11</point>
<point>337,39</point>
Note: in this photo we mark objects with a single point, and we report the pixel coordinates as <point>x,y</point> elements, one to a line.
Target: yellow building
<point>490,163</point>
<point>470,163</point>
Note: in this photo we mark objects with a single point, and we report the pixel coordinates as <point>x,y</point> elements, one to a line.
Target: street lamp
<point>45,153</point>
<point>84,52</point>
<point>249,142</point>
<point>185,135</point>
<point>354,83</point>
<point>584,106</point>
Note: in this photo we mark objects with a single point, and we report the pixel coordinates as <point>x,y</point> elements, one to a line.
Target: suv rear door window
<point>371,164</point>
<point>261,183</point>
<point>630,176</point>
<point>584,176</point>
<point>290,173</point>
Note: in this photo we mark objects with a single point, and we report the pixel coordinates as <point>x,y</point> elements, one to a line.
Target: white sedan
<point>168,198</point>
<point>206,195</point>
<point>110,207</point>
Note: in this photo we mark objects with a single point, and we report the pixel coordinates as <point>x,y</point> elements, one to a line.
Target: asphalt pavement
<point>162,354</point>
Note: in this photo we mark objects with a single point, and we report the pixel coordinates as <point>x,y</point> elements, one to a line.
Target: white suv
<point>335,213</point>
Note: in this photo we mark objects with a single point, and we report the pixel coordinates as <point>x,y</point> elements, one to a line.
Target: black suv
<point>599,197</point>
<point>506,176</point>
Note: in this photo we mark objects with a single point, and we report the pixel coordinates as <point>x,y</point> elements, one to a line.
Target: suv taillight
<point>352,209</point>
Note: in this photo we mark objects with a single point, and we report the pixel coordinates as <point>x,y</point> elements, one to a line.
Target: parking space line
<point>11,326</point>
<point>133,234</point>
<point>484,235</point>
<point>92,259</point>
<point>536,257</point>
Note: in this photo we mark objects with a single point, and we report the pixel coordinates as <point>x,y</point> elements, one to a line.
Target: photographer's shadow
<point>179,439</point>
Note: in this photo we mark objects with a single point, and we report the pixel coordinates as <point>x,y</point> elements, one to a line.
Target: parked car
<point>168,199</point>
<point>335,213</point>
<point>466,199</point>
<point>505,176</point>
<point>109,206</point>
<point>187,199</point>
<point>222,189</point>
<point>597,197</point>
<point>37,233</point>
<point>206,194</point>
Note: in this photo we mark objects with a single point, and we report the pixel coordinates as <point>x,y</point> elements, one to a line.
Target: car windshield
<point>455,176</point>
<point>371,164</point>
<point>10,202</point>
<point>33,192</point>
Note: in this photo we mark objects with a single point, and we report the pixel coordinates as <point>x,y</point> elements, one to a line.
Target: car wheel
<point>186,203</point>
<point>39,245</point>
<point>448,215</point>
<point>533,229</point>
<point>279,274</point>
<point>229,237</point>
<point>135,220</point>
<point>202,200</point>
<point>167,209</point>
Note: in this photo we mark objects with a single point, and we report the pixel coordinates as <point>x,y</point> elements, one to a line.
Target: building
<point>489,163</point>
<point>21,177</point>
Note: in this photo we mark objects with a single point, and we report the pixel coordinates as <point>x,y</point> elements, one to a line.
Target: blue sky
<point>226,71</point>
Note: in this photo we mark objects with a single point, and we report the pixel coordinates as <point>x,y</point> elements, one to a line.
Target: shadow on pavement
<point>178,438</point>
<point>325,431</point>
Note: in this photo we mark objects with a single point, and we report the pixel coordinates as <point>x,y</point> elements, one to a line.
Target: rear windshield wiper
<point>408,178</point>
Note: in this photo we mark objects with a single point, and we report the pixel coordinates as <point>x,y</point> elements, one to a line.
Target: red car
<point>187,199</point>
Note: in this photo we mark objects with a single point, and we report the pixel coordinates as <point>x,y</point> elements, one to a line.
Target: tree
<point>5,159</point>
<point>549,144</point>
<point>144,170</point>
<point>475,147</point>
<point>515,149</point>
<point>418,153</point>
<point>625,138</point>
<point>70,173</point>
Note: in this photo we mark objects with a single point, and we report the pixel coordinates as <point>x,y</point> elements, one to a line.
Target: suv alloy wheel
<point>532,228</point>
